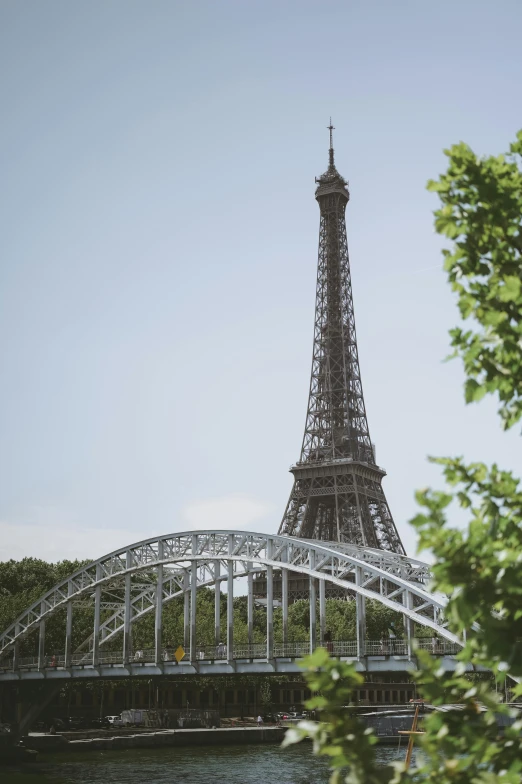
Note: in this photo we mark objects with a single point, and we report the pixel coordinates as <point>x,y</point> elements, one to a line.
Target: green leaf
<point>510,291</point>
<point>474,391</point>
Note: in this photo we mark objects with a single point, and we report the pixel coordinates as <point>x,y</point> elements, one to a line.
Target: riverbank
<point>158,738</point>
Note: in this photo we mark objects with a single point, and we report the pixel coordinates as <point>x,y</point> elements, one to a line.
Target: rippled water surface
<point>259,764</point>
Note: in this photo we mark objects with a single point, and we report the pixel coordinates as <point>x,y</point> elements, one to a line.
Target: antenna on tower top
<point>331,150</point>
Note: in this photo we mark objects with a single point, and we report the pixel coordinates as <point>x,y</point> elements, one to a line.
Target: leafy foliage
<point>23,582</point>
<point>266,694</point>
<point>479,568</point>
<point>463,745</point>
<point>339,735</point>
<point>481,210</point>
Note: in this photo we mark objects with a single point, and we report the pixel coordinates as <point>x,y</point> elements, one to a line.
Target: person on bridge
<point>328,642</point>
<point>259,721</point>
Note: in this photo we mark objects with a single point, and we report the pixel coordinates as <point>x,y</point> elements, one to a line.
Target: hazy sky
<point>159,245</point>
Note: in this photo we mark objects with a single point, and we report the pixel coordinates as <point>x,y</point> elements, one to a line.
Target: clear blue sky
<point>159,239</point>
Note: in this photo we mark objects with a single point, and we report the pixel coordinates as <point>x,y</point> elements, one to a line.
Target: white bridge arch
<point>154,571</point>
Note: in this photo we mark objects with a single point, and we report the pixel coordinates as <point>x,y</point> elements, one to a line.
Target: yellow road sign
<point>179,653</point>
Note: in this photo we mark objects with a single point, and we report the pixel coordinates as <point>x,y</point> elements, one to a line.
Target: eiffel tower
<point>337,494</point>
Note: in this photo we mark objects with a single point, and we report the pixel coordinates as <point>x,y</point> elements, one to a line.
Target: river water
<point>256,764</point>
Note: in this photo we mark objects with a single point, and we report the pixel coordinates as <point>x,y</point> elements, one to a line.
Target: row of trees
<point>23,582</point>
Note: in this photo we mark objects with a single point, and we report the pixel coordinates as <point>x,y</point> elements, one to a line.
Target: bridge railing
<point>387,647</point>
<point>215,653</point>
<point>438,647</point>
<point>343,648</point>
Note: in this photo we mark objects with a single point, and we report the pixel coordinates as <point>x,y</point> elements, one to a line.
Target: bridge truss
<point>130,583</point>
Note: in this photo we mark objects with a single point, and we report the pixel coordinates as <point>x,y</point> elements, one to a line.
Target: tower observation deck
<point>337,494</point>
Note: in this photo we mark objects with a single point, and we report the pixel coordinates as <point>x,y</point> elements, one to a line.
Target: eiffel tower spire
<point>337,493</point>
<point>331,150</point>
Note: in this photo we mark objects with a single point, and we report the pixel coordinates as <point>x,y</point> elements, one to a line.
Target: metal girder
<point>383,575</point>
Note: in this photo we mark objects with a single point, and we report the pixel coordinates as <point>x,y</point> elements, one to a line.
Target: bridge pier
<point>28,712</point>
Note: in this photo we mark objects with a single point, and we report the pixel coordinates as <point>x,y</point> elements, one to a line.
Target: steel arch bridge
<point>137,580</point>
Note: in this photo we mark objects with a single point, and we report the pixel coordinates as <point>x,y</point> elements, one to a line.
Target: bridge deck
<point>237,666</point>
<point>383,656</point>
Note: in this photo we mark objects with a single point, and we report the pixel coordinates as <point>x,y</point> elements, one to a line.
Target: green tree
<point>22,583</point>
<point>479,568</point>
<point>481,211</point>
<point>265,694</point>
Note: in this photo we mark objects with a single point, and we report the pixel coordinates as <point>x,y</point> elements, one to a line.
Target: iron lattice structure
<point>337,493</point>
<point>124,586</point>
